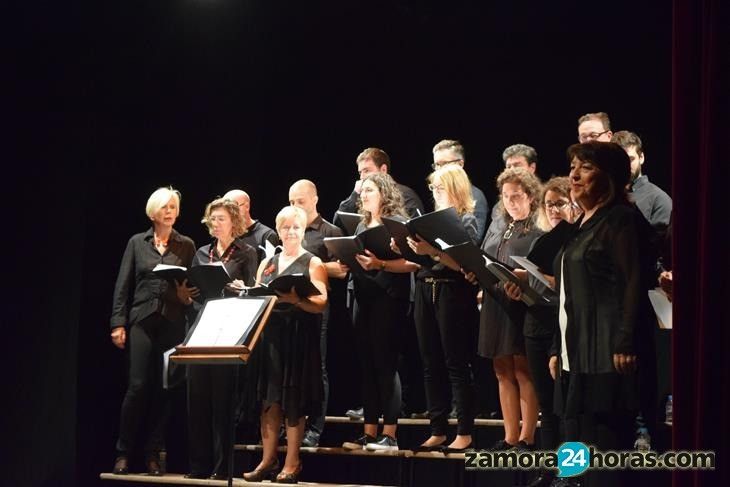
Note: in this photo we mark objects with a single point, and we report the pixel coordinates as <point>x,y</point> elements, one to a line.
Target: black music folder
<point>442,224</point>
<point>375,239</point>
<point>547,246</point>
<point>399,232</point>
<point>301,284</point>
<point>350,221</point>
<point>210,279</point>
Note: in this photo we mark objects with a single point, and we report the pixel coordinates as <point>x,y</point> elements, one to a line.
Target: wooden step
<point>179,479</point>
<point>326,450</point>
<point>413,422</point>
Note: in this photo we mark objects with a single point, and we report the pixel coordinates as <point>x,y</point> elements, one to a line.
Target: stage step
<point>179,479</point>
<point>413,422</point>
<point>328,450</point>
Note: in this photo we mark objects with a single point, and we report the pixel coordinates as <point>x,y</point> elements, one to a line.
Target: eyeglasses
<point>439,164</point>
<point>557,205</point>
<point>590,136</point>
<point>439,188</point>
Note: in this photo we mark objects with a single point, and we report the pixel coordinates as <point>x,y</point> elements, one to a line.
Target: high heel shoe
<point>289,478</point>
<point>267,473</point>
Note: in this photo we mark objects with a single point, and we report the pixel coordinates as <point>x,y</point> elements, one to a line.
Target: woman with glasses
<point>210,386</point>
<point>446,318</point>
<point>500,329</point>
<point>541,321</point>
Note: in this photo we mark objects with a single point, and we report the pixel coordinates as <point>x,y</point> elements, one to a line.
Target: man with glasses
<point>257,234</point>
<point>452,152</point>
<point>522,156</point>
<point>594,126</point>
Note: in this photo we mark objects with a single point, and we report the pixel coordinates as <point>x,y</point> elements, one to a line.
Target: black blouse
<point>240,261</point>
<point>607,269</point>
<point>139,292</point>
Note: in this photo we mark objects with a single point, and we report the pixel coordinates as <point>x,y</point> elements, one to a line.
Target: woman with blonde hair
<point>446,318</point>
<point>210,386</point>
<point>153,310</point>
<point>501,323</point>
<point>289,380</point>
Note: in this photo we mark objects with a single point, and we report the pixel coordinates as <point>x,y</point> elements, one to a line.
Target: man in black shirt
<point>652,201</point>
<point>373,160</point>
<point>257,234</point>
<point>303,194</point>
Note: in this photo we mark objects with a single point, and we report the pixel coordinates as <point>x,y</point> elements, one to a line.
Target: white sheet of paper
<point>530,267</point>
<point>224,321</point>
<point>662,308</point>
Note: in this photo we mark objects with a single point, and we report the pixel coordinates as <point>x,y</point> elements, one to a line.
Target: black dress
<point>501,319</point>
<point>289,368</point>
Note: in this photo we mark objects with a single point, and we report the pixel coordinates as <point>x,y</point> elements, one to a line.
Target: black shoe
<point>452,414</point>
<point>153,467</point>
<point>357,413</point>
<point>121,465</point>
<point>218,476</point>
<point>266,473</point>
<point>566,482</point>
<point>422,448</point>
<point>447,449</point>
<point>196,475</point>
<point>423,415</point>
<point>310,439</point>
<point>545,479</point>
<point>358,444</point>
<point>501,445</point>
<point>523,446</point>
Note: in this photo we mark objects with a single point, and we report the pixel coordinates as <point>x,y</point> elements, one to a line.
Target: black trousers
<point>147,341</point>
<point>210,390</point>
<point>447,322</point>
<point>377,320</point>
<point>410,368</point>
<point>537,359</point>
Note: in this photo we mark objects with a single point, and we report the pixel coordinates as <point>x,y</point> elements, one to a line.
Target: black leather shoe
<point>266,473</point>
<point>121,466</point>
<point>447,449</point>
<point>545,479</point>
<point>196,475</point>
<point>153,467</point>
<point>289,478</point>
<point>218,476</point>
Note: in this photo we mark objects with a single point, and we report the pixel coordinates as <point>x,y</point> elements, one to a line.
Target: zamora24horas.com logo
<point>574,458</point>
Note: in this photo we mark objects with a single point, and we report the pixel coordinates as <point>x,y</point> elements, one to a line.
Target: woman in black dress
<point>603,272</point>
<point>210,386</point>
<point>154,311</point>
<point>381,304</point>
<point>289,381</point>
<point>500,330</point>
<point>446,318</point>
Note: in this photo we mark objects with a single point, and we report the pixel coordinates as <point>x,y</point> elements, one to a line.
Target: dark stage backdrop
<point>210,95</point>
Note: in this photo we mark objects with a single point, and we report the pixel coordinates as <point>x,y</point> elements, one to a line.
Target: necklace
<point>161,243</point>
<point>226,255</point>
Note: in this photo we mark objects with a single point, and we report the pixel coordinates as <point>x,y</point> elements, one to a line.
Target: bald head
<point>303,194</point>
<point>244,204</point>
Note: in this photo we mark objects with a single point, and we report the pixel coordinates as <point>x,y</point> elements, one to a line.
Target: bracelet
<point>382,265</point>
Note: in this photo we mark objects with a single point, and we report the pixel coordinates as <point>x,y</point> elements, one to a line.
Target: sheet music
<point>269,249</point>
<point>662,307</point>
<point>224,322</point>
<point>530,267</point>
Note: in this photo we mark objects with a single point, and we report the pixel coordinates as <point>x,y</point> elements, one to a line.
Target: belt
<point>433,281</point>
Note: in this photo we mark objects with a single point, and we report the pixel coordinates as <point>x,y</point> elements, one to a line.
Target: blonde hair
<point>457,186</point>
<point>291,212</point>
<point>160,198</point>
<point>231,207</point>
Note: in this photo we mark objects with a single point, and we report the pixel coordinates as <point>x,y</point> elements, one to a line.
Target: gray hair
<point>529,153</point>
